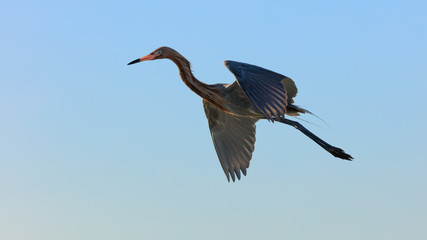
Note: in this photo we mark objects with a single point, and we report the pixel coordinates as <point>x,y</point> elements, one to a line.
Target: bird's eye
<point>159,53</point>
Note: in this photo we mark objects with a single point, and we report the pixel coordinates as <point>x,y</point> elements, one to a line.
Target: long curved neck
<point>210,93</point>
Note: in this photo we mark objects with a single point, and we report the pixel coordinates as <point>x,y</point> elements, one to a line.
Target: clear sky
<point>91,148</point>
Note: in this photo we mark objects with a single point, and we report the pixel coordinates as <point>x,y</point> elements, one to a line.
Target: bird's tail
<point>293,110</point>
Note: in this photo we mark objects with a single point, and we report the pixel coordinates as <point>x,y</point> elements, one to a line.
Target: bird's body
<point>233,109</point>
<point>238,103</point>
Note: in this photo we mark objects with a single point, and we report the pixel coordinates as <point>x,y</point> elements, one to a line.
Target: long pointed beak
<point>145,58</point>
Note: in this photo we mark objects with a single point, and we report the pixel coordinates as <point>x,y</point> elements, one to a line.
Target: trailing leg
<point>337,152</point>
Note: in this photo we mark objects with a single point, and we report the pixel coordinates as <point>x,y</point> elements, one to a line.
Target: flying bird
<point>233,109</point>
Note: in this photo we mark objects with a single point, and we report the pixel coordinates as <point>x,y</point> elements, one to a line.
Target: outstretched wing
<point>234,139</point>
<point>264,88</point>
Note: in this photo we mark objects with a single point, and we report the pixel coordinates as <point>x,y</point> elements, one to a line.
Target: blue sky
<point>91,148</point>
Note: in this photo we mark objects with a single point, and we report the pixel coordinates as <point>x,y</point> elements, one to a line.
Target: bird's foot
<point>339,153</point>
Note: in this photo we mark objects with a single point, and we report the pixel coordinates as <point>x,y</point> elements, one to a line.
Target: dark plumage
<point>233,109</point>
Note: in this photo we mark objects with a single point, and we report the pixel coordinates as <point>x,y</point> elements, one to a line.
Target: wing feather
<point>233,138</point>
<point>264,88</point>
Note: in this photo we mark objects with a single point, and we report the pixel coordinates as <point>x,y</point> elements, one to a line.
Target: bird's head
<point>159,53</point>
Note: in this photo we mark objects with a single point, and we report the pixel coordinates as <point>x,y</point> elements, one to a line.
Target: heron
<point>233,109</point>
